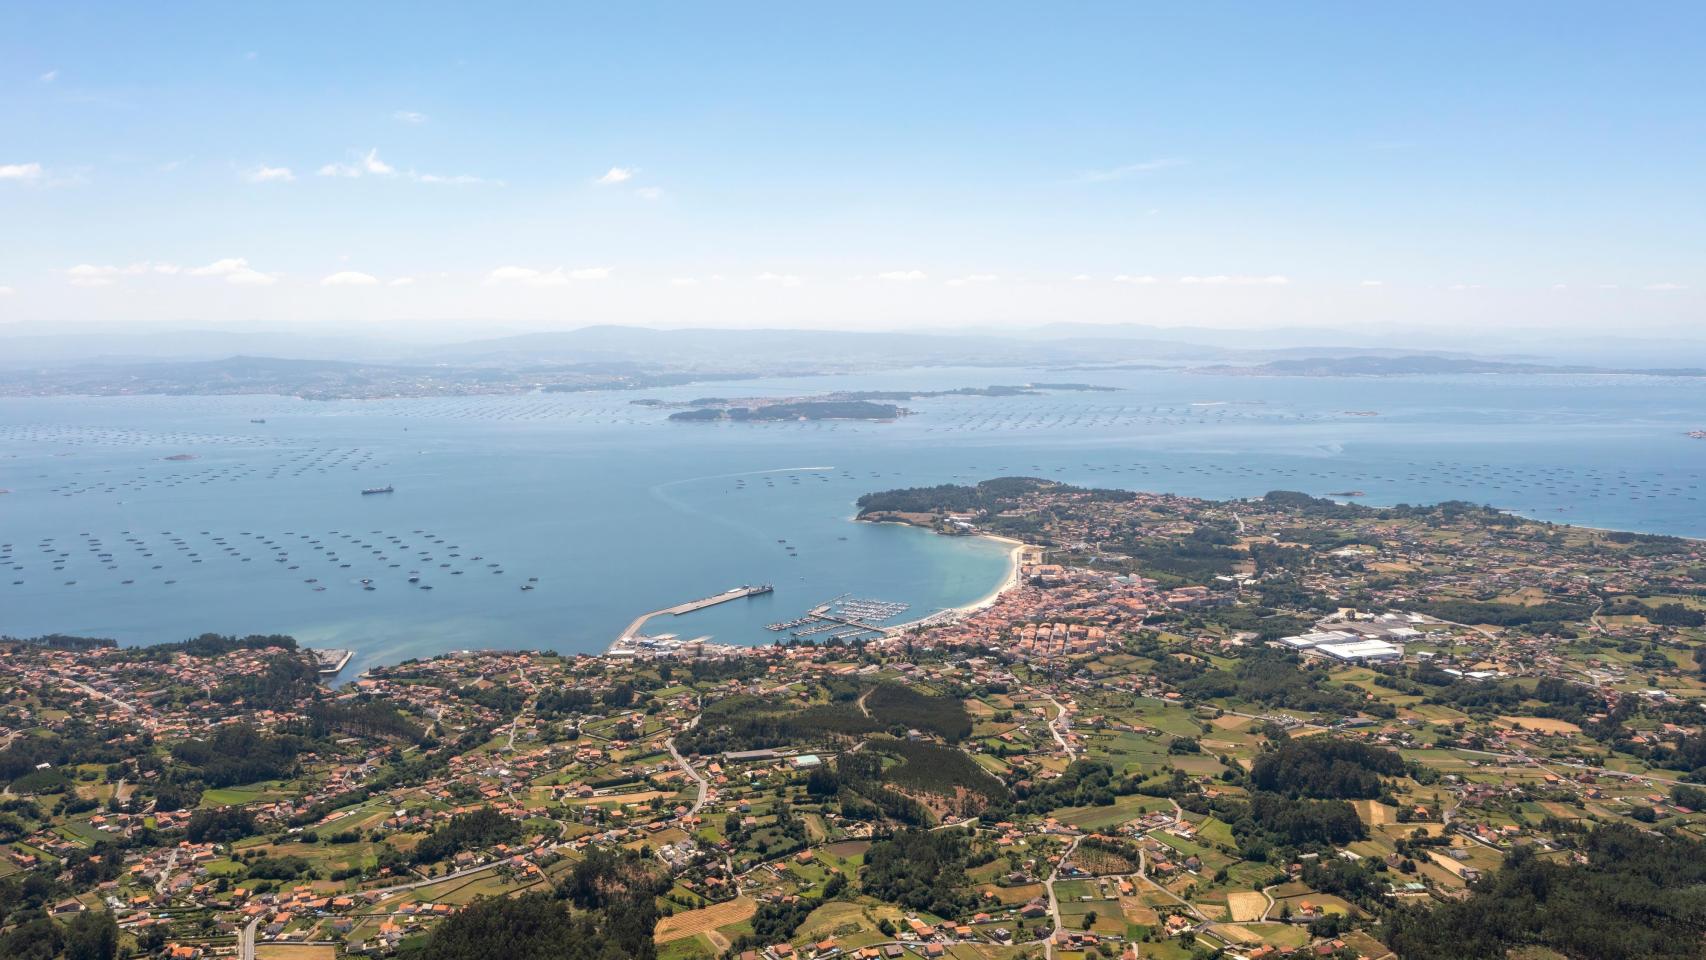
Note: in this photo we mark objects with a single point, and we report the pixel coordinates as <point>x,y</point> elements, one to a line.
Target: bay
<point>617,511</point>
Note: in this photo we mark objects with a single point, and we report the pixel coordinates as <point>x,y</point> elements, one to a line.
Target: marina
<point>843,618</point>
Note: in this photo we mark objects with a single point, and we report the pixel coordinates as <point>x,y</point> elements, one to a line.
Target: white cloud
<point>20,171</point>
<point>1665,287</point>
<point>409,116</point>
<point>905,276</point>
<point>235,270</point>
<point>545,278</point>
<point>89,275</point>
<point>618,175</point>
<point>1222,279</point>
<point>6,291</point>
<point>971,278</point>
<point>368,163</point>
<point>401,282</point>
<point>683,282</point>
<point>349,278</point>
<point>1129,170</point>
<point>785,279</point>
<point>1135,278</point>
<point>103,275</point>
<point>265,174</point>
<point>1372,283</point>
<point>49,76</point>
<point>649,193</point>
<point>460,178</point>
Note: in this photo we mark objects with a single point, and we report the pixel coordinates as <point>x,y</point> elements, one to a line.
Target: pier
<point>332,662</point>
<point>735,593</point>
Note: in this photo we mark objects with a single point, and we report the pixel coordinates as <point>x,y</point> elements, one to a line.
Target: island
<point>795,410</point>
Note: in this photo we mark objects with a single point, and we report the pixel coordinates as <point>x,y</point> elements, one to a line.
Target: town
<point>1267,728</point>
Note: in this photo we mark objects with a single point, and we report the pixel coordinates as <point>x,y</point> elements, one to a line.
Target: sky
<point>492,167</point>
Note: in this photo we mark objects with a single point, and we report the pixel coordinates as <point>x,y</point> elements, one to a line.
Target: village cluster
<point>1087,749</point>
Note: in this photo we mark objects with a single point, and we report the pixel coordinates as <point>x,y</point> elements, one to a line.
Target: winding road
<point>1057,724</point>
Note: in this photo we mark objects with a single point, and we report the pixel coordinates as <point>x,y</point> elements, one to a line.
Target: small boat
<point>527,586</point>
<point>372,490</point>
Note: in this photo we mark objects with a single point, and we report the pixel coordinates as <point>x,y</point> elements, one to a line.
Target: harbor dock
<point>734,593</point>
<point>331,662</point>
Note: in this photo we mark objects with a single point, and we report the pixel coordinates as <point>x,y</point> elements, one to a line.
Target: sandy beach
<point>1014,556</point>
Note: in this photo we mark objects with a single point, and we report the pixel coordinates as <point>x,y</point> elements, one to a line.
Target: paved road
<point>1053,902</point>
<point>91,691</point>
<point>704,785</point>
<point>166,874</point>
<point>429,881</point>
<point>1060,718</point>
<point>246,940</point>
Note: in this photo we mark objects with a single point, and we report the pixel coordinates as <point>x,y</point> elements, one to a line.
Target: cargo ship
<point>372,490</point>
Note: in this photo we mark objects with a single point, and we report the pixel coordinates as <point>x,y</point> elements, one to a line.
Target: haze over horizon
<point>427,170</point>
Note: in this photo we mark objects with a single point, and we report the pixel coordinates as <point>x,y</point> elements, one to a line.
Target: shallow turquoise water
<point>617,511</point>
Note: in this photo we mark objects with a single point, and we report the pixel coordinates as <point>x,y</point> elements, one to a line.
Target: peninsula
<point>1272,727</point>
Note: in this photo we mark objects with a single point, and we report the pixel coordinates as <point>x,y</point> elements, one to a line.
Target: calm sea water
<point>616,511</point>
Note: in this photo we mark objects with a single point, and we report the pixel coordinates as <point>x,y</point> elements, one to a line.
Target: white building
<point>1362,651</point>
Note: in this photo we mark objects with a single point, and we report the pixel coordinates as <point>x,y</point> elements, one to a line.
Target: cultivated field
<point>704,920</point>
<point>1246,905</point>
<point>295,951</point>
<point>1542,724</point>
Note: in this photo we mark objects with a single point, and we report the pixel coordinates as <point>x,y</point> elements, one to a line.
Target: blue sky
<point>426,166</point>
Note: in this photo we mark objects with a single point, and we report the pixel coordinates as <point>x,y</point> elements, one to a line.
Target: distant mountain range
<point>616,357</point>
<point>336,379</point>
<point>1419,365</point>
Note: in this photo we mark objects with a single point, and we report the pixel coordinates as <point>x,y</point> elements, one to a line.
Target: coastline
<point>1015,555</point>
